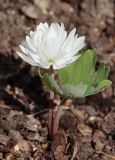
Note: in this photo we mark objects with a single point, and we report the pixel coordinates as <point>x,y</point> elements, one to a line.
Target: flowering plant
<point>50,46</point>
<point>52,49</point>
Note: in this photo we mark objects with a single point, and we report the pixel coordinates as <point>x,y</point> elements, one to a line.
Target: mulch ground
<point>87,125</point>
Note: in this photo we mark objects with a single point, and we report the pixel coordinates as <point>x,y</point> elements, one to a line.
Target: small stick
<point>75,151</point>
<point>109,156</point>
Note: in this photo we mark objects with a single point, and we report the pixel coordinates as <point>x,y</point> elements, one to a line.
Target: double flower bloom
<point>51,46</point>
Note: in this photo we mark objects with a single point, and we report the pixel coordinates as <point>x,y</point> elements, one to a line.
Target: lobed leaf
<point>83,72</point>
<point>52,84</point>
<point>80,79</point>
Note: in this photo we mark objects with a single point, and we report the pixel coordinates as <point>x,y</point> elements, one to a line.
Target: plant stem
<point>57,116</point>
<point>53,123</point>
<point>51,118</point>
<point>51,114</point>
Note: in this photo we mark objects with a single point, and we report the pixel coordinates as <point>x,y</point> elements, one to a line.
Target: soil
<point>87,125</point>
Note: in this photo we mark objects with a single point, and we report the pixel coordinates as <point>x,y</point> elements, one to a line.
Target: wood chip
<point>23,146</point>
<point>4,139</point>
<point>84,129</point>
<point>31,11</point>
<point>59,144</point>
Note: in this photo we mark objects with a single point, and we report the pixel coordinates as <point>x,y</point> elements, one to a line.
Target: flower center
<point>50,61</point>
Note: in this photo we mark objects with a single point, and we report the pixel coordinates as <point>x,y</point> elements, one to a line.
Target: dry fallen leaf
<point>23,146</point>
<point>75,151</point>
<point>98,138</point>
<point>84,129</point>
<point>59,144</point>
<point>31,11</point>
<point>79,113</point>
<point>107,93</point>
<point>15,135</point>
<point>31,123</point>
<point>9,157</point>
<point>43,5</point>
<point>35,137</point>
<point>4,139</point>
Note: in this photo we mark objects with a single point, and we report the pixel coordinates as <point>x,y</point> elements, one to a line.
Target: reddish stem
<point>57,116</point>
<point>54,117</point>
<point>56,120</point>
<point>51,119</point>
<point>53,123</point>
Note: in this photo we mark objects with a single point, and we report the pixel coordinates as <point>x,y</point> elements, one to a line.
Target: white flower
<point>51,46</point>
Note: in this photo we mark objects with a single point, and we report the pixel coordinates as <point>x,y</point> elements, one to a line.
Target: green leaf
<point>79,70</point>
<point>81,78</point>
<point>100,74</point>
<point>52,84</point>
<point>74,91</point>
<point>100,87</point>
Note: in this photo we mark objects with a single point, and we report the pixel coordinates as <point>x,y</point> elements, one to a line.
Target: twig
<point>109,156</point>
<point>40,112</point>
<point>75,151</point>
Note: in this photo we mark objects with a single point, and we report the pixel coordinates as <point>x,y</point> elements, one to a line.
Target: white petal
<point>28,51</point>
<point>62,34</point>
<point>64,62</point>
<point>30,43</point>
<point>50,43</point>
<point>47,44</point>
<point>42,27</point>
<point>79,44</point>
<point>33,56</point>
<point>31,33</point>
<point>27,59</point>
<point>70,36</point>
<point>23,49</point>
<point>79,41</point>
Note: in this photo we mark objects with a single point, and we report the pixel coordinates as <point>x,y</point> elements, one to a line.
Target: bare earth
<point>87,126</point>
